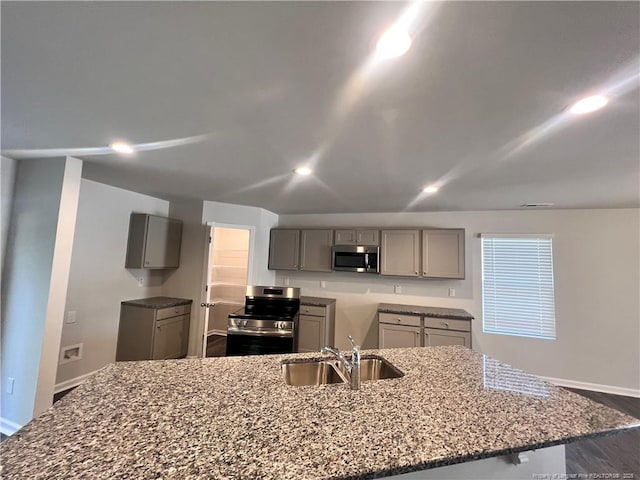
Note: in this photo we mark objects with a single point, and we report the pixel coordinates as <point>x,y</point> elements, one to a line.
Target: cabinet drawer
<point>447,324</point>
<point>312,310</point>
<point>172,311</point>
<point>398,319</point>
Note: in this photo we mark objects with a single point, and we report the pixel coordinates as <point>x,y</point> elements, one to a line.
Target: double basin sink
<point>323,372</point>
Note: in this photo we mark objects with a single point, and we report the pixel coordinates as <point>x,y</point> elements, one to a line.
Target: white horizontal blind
<point>517,285</point>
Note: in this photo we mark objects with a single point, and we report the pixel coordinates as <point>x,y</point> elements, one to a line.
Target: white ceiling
<point>267,81</point>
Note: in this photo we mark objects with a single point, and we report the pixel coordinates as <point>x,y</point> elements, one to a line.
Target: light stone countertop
<point>234,418</point>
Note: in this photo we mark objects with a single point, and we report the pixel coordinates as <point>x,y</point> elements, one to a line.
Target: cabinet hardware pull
<point>446,324</point>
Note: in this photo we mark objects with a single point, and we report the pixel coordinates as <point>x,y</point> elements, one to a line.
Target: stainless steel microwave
<point>355,258</point>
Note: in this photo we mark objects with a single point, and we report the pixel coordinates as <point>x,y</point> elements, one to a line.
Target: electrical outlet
<point>286,281</point>
<point>140,281</point>
<point>10,382</point>
<point>452,292</point>
<point>71,316</point>
<point>397,289</point>
<point>323,284</point>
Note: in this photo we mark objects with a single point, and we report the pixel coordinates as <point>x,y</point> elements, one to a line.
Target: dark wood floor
<point>216,346</point>
<point>617,454</point>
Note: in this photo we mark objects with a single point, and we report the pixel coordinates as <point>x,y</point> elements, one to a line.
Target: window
<point>517,285</point>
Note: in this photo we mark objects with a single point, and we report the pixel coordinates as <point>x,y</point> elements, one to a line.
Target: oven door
<point>259,341</point>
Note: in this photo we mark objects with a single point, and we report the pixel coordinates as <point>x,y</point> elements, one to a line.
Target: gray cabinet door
<point>398,336</point>
<point>284,249</point>
<point>443,253</point>
<point>171,337</point>
<point>345,237</point>
<point>434,338</point>
<point>154,242</point>
<point>367,237</point>
<point>315,250</point>
<point>400,253</point>
<point>310,333</point>
<point>162,243</point>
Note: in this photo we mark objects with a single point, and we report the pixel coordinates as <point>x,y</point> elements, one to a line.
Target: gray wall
<point>98,281</point>
<point>35,282</point>
<point>597,280</point>
<point>7,180</point>
<point>186,281</point>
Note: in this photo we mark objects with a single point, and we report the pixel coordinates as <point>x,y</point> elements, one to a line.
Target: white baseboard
<point>74,382</point>
<point>7,427</point>
<point>217,332</point>
<point>627,392</point>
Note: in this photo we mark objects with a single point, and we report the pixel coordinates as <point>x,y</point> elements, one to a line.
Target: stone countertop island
<point>235,418</point>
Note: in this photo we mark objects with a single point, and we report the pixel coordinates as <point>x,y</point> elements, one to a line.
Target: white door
<point>228,271</point>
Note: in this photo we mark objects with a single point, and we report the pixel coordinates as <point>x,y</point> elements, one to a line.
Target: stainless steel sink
<point>322,372</point>
<point>311,373</point>
<point>376,368</point>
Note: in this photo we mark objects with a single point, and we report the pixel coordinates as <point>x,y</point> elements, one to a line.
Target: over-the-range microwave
<point>355,258</point>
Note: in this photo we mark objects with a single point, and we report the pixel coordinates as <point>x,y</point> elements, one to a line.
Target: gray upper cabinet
<point>315,250</point>
<point>284,249</point>
<point>154,242</point>
<point>357,237</point>
<point>443,253</point>
<point>400,253</point>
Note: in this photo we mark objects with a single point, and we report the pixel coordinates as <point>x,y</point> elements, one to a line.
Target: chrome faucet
<point>352,367</point>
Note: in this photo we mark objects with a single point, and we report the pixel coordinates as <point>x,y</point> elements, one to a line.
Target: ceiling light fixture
<point>304,171</point>
<point>589,104</point>
<point>393,43</point>
<point>122,147</point>
<point>430,189</point>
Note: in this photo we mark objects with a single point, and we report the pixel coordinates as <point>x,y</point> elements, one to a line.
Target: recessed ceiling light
<point>589,104</point>
<point>393,43</point>
<point>122,147</point>
<point>430,189</point>
<point>304,171</point>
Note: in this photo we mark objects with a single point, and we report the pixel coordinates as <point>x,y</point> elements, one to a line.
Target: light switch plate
<point>10,383</point>
<point>323,284</point>
<point>397,289</point>
<point>71,317</point>
<point>452,292</point>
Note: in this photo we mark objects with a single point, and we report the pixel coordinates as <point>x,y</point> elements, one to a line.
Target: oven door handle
<point>262,332</point>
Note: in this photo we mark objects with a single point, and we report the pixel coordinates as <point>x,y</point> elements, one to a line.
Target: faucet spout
<point>336,353</point>
<point>352,367</point>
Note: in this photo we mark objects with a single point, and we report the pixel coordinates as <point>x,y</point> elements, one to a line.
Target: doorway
<point>228,273</point>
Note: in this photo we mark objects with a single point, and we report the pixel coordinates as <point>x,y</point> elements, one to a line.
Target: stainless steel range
<point>268,323</point>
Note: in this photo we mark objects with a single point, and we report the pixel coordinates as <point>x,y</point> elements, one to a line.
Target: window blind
<point>517,285</point>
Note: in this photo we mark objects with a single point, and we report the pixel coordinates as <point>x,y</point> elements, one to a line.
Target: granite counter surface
<point>234,418</point>
<point>158,302</point>
<point>317,301</point>
<point>456,313</point>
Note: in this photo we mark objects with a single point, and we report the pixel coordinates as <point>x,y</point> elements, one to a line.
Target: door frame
<point>206,272</point>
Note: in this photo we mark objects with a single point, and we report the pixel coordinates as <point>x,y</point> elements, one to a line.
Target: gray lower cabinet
<point>153,333</point>
<point>316,327</point>
<point>443,253</point>
<point>284,249</point>
<point>315,250</point>
<point>400,253</point>
<point>446,331</point>
<point>397,331</point>
<point>154,242</point>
